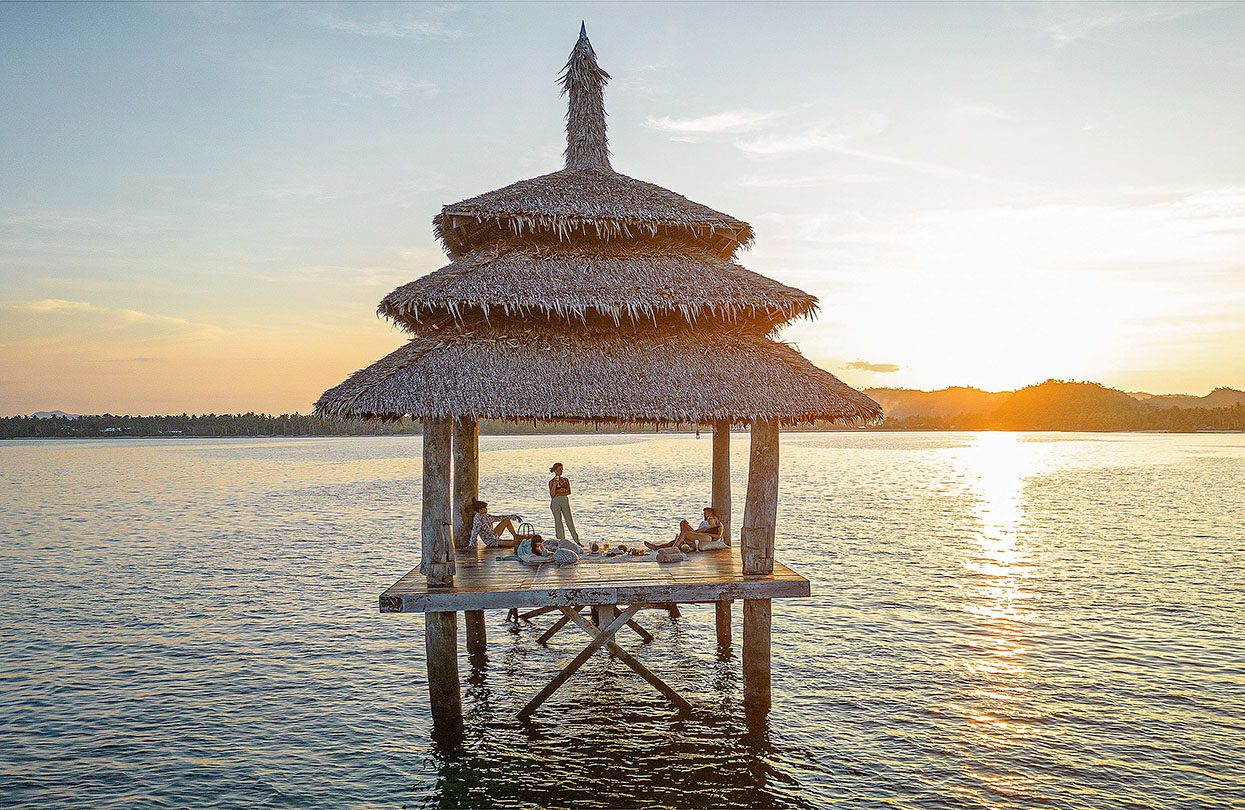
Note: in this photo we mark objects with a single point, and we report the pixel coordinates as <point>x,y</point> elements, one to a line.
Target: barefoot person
<point>560,504</point>
<point>487,528</point>
<point>709,531</point>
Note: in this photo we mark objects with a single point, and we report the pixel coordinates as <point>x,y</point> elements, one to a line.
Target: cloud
<point>1070,23</point>
<point>296,192</point>
<point>824,140</point>
<point>881,368</point>
<point>371,83</point>
<point>832,126</point>
<point>48,315</point>
<point>806,180</point>
<point>728,122</point>
<point>977,109</point>
<point>408,27</point>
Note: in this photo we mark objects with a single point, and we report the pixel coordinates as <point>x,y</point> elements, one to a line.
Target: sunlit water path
<point>998,620</point>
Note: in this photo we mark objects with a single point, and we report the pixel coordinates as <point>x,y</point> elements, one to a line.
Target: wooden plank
<point>531,614</point>
<point>560,597</point>
<point>553,631</point>
<point>644,635</point>
<point>602,637</point>
<point>630,660</point>
<point>483,582</point>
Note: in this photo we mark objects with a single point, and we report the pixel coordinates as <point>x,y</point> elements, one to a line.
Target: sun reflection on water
<point>996,704</point>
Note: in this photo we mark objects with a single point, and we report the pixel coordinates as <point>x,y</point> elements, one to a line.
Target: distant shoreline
<point>636,433</point>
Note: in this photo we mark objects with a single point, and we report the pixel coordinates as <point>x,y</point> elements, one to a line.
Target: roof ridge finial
<point>584,82</point>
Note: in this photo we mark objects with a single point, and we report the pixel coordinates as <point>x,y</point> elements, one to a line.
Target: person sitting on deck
<point>709,532</point>
<point>486,527</point>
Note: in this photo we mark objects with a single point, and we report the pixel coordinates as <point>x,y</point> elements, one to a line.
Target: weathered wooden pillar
<point>720,499</point>
<point>441,651</point>
<point>722,618</point>
<point>757,622</point>
<point>757,541</point>
<point>477,636</point>
<point>466,487</point>
<point>437,564</point>
<point>761,509</point>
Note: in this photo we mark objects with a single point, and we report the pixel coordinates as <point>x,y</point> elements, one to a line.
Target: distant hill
<point>53,415</point>
<point>1219,398</point>
<point>900,403</point>
<point>1059,405</point>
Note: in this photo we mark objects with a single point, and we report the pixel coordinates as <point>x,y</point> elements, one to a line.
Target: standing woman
<point>560,503</point>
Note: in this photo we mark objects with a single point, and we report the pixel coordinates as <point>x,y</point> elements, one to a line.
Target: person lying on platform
<point>707,535</point>
<point>487,527</point>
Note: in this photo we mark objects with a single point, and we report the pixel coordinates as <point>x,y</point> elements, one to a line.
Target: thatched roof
<point>632,280</point>
<point>587,197</point>
<point>539,372</point>
<point>587,295</point>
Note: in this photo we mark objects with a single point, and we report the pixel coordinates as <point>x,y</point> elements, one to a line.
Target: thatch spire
<point>584,82</point>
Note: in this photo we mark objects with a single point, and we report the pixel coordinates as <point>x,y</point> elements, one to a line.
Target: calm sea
<point>998,620</point>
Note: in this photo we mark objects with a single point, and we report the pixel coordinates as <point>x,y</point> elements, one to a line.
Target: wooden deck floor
<point>484,582</point>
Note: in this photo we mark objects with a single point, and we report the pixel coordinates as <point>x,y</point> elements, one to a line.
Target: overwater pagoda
<point>589,296</point>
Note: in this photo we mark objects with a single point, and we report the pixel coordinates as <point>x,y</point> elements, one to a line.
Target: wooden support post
<point>757,541</point>
<point>466,485</point>
<point>761,509</point>
<point>477,636</point>
<point>757,621</point>
<point>722,618</point>
<point>441,649</point>
<point>720,499</point>
<point>437,563</point>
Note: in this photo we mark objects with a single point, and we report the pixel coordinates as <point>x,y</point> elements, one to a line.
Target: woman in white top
<point>560,504</point>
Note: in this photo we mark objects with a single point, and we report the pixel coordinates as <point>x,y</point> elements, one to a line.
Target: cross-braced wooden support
<point>602,637</point>
<point>562,622</point>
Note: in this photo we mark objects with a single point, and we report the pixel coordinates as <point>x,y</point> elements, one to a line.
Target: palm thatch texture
<point>581,279</point>
<point>587,197</point>
<point>542,372</point>
<point>583,81</point>
<point>589,295</point>
<point>591,201</point>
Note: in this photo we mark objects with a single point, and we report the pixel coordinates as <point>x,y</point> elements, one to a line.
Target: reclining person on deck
<point>486,527</point>
<point>707,535</point>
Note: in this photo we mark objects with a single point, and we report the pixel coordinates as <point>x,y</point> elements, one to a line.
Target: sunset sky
<point>200,206</point>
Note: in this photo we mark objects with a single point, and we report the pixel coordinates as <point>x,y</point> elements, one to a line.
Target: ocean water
<point>998,620</point>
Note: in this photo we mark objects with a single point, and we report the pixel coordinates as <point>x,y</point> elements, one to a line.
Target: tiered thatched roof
<point>643,280</point>
<point>589,295</point>
<point>542,372</point>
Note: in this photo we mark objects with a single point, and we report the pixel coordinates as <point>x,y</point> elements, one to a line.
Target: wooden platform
<point>484,582</point>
